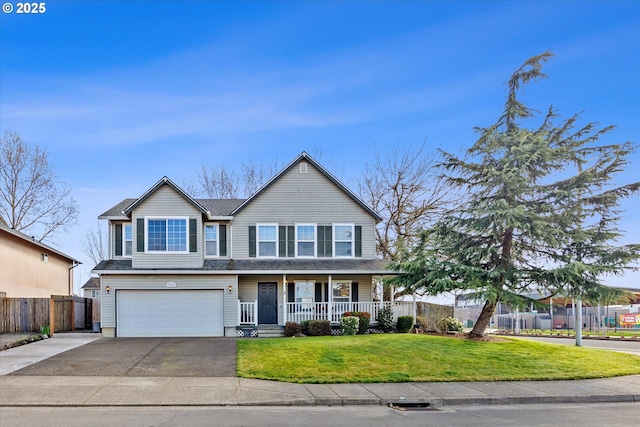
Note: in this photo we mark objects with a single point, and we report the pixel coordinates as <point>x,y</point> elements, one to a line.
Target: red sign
<point>630,319</point>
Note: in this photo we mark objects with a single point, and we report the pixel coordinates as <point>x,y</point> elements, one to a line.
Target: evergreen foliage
<point>541,210</point>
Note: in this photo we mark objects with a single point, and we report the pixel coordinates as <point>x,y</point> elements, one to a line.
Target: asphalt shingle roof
<point>365,266</point>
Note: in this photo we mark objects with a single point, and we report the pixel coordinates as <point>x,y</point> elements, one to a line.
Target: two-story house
<point>301,248</point>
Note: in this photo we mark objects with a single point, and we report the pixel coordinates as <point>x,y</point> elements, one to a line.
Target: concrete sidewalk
<point>181,391</point>
<point>208,391</point>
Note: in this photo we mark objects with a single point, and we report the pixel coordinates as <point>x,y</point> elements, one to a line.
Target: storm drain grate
<point>406,406</point>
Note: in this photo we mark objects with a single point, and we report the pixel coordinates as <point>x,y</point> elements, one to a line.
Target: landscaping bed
<point>8,341</point>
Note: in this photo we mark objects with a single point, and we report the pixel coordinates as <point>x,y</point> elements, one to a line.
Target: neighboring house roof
<point>32,240</point>
<point>92,283</point>
<point>308,158</point>
<point>249,266</point>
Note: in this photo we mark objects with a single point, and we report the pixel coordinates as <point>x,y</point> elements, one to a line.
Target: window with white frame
<point>305,294</point>
<point>127,240</point>
<point>343,240</point>
<point>267,240</point>
<point>211,240</point>
<point>306,240</point>
<point>167,235</point>
<point>341,291</point>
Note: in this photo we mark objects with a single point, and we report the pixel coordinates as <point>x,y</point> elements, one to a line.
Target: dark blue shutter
<point>118,239</point>
<point>291,241</point>
<point>318,292</point>
<point>282,241</point>
<point>193,235</point>
<point>291,292</point>
<point>252,241</point>
<point>223,239</point>
<point>358,240</point>
<point>354,292</point>
<point>140,235</point>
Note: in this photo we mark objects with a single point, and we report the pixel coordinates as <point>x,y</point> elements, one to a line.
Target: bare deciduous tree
<point>94,244</point>
<point>32,198</point>
<point>218,183</point>
<point>403,187</point>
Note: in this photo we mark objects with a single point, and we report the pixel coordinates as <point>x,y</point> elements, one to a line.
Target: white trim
<point>348,282</point>
<point>335,240</point>
<point>315,239</point>
<point>244,272</point>
<point>166,218</point>
<point>217,226</point>
<point>124,241</point>
<point>258,225</point>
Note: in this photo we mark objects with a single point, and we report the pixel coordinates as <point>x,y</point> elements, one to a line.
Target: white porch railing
<point>299,311</point>
<point>247,313</point>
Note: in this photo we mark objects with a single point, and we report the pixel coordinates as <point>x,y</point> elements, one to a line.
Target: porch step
<point>270,331</point>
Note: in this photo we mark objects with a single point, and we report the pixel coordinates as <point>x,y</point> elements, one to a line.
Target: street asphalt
<point>137,382</point>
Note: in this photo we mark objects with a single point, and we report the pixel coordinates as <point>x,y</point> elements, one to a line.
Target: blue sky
<point>122,93</point>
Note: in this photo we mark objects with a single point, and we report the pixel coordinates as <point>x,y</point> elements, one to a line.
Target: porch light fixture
<point>107,289</point>
<point>230,288</point>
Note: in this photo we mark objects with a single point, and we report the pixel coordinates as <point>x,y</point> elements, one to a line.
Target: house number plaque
<point>171,284</point>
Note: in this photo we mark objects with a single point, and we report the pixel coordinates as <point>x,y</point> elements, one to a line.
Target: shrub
<point>319,328</point>
<point>385,319</point>
<point>349,325</point>
<point>45,330</point>
<point>364,320</point>
<point>404,324</point>
<point>450,324</point>
<point>291,329</point>
<point>304,325</point>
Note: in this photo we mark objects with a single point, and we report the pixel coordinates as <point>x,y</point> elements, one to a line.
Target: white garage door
<point>170,313</point>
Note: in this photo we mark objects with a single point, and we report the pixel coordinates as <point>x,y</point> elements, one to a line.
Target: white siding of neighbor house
<point>166,202</point>
<point>303,198</point>
<point>159,282</point>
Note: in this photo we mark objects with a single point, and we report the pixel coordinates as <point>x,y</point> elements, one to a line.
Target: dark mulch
<point>143,357</point>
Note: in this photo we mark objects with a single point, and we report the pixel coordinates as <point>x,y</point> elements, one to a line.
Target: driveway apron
<point>143,357</point>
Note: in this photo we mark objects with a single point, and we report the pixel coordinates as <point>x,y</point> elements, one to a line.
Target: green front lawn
<point>409,357</point>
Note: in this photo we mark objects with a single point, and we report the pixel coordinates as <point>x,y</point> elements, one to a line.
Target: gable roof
<point>32,240</point>
<point>165,181</point>
<point>326,173</point>
<point>92,283</point>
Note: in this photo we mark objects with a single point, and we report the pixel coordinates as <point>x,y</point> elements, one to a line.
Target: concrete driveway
<point>143,357</point>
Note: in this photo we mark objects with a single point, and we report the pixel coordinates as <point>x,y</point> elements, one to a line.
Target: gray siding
<point>108,311</point>
<point>165,202</point>
<point>303,198</point>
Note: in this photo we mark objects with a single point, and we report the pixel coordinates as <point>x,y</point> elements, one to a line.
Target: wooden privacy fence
<point>433,313</point>
<point>60,312</point>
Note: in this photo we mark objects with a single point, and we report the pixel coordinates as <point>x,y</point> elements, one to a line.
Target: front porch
<point>331,311</point>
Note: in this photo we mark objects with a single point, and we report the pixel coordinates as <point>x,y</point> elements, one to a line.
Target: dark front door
<point>267,303</point>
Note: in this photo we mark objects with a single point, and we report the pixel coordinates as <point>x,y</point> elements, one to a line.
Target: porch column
<point>330,302</point>
<point>285,297</point>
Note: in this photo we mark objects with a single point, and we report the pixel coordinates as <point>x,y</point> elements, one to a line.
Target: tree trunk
<point>483,321</point>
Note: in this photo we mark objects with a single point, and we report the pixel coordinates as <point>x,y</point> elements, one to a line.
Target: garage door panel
<point>171,313</point>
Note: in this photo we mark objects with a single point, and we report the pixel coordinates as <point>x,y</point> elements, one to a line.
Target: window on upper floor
<point>306,240</point>
<point>267,240</point>
<point>343,239</point>
<point>211,240</point>
<point>167,235</point>
<point>127,240</point>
